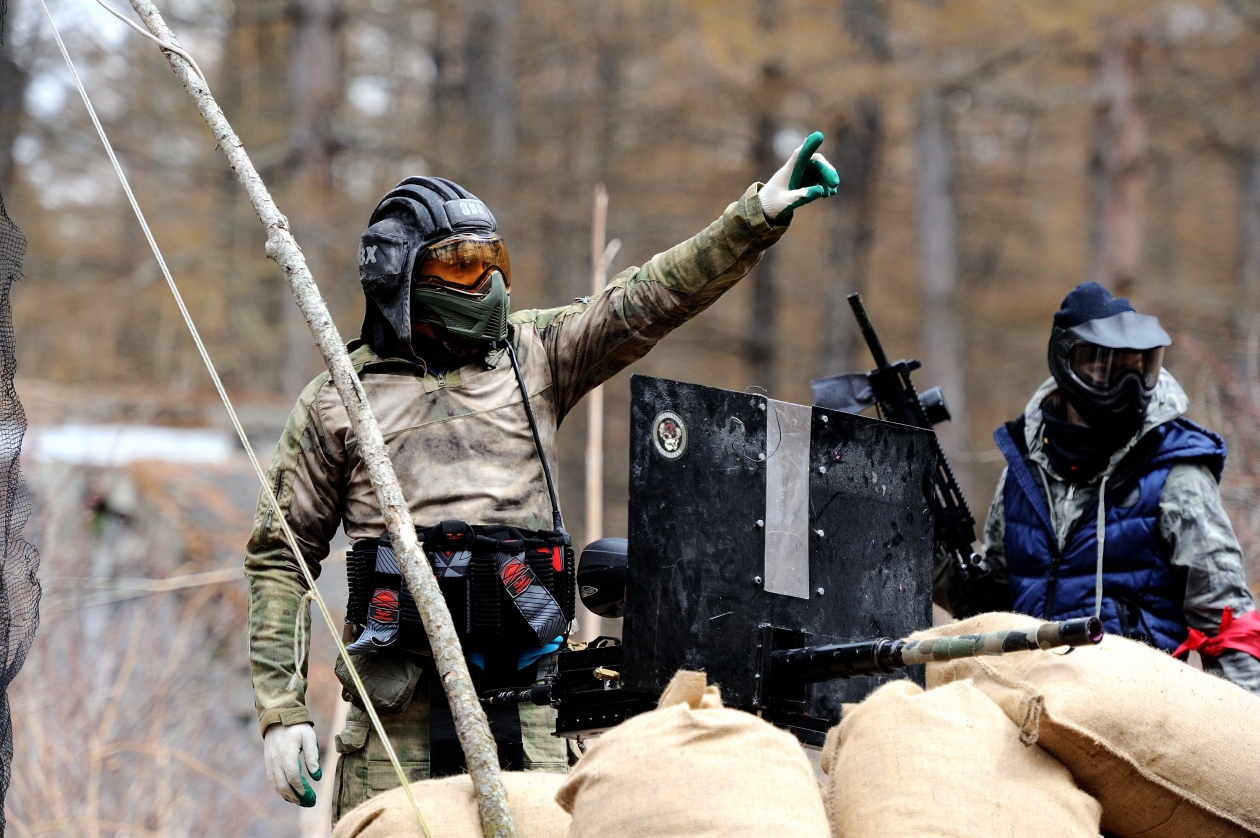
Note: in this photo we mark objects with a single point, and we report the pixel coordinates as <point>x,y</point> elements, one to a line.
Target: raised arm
<point>594,338</point>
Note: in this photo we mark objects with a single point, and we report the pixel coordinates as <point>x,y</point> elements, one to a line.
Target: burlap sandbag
<point>694,769</point>
<point>1169,751</point>
<point>450,809</point>
<point>946,764</point>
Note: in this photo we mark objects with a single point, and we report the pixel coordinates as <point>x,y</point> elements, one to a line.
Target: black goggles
<point>1103,370</point>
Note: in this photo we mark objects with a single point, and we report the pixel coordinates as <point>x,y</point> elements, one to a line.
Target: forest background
<point>992,155</point>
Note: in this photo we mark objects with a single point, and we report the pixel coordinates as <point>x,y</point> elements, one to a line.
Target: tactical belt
<point>506,587</point>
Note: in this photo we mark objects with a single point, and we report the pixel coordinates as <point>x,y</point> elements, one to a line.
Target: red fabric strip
<point>1241,634</point>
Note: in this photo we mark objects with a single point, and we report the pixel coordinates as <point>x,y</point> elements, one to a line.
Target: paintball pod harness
<point>505,586</point>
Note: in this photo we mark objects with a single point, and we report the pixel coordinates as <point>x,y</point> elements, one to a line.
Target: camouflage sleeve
<point>591,340</point>
<point>945,576</point>
<point>995,532</point>
<point>1201,543</point>
<point>305,475</point>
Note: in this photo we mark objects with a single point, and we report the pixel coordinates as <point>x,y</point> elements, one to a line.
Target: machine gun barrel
<point>883,655</point>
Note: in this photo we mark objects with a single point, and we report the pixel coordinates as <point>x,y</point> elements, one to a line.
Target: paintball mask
<point>463,284</point>
<point>431,245</point>
<point>1106,359</point>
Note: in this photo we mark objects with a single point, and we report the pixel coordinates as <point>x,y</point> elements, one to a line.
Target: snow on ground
<point>122,445</point>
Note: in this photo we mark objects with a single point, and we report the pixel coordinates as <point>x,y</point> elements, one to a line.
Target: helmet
<point>601,577</point>
<point>1106,358</point>
<point>431,255</point>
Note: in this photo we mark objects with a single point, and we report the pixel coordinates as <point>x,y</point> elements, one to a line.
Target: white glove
<point>285,749</point>
<point>805,177</point>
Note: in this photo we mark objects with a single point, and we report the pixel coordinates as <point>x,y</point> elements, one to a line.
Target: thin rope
<point>301,643</point>
<point>312,589</point>
<point>155,39</point>
<point>1101,526</point>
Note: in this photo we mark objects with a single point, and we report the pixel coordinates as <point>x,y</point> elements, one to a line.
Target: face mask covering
<point>1077,453</point>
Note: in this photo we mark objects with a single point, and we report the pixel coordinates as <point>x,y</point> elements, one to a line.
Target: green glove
<point>805,177</point>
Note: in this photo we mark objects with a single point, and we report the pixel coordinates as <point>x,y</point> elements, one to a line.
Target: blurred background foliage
<point>973,138</point>
<point>993,154</point>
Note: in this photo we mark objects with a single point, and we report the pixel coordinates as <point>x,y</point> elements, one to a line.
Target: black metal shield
<point>747,512</point>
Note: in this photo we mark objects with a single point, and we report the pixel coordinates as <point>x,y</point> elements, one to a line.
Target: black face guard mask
<point>1077,453</point>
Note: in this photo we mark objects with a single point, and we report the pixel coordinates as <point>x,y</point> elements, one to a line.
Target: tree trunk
<point>764,304</point>
<point>315,87</point>
<point>12,100</point>
<point>856,149</point>
<point>759,346</point>
<point>490,65</point>
<point>1116,161</point>
<point>1247,316</point>
<point>942,338</point>
<point>1250,231</point>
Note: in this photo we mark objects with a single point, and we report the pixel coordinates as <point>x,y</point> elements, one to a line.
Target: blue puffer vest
<point>1142,594</point>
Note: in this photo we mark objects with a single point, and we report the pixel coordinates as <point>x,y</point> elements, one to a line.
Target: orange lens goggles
<point>464,263</point>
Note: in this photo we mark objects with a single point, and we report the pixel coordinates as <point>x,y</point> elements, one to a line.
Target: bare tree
<point>867,21</point>
<point>1249,230</point>
<point>12,92</point>
<point>764,305</point>
<point>764,308</point>
<point>315,85</point>
<point>943,342</point>
<point>490,64</point>
<point>1117,155</point>
<point>857,146</point>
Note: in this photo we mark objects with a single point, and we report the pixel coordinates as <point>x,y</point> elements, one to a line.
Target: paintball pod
<point>890,388</point>
<point>588,696</point>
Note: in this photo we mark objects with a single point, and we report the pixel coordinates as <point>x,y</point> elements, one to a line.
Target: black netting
<point>19,561</point>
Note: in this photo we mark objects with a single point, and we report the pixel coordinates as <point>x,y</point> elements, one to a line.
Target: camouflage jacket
<point>460,441</point>
<point>1193,530</point>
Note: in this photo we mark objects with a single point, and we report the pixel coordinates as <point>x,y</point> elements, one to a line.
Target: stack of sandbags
<point>949,764</point>
<point>694,769</point>
<point>450,809</point>
<point>1168,750</point>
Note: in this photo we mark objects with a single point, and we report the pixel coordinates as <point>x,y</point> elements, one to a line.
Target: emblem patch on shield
<point>669,435</point>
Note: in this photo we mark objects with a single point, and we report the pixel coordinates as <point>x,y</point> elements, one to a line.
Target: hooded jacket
<point>1141,595</point>
<point>1175,554</point>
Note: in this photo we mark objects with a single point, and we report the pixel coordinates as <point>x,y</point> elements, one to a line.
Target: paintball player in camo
<point>1167,568</point>
<point>468,399</point>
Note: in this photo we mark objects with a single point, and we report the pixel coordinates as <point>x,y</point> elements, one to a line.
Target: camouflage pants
<point>364,771</point>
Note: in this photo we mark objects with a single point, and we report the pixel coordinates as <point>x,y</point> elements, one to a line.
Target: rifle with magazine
<point>890,389</point>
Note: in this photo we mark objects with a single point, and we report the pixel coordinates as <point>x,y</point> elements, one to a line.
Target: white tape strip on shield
<point>787,498</point>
